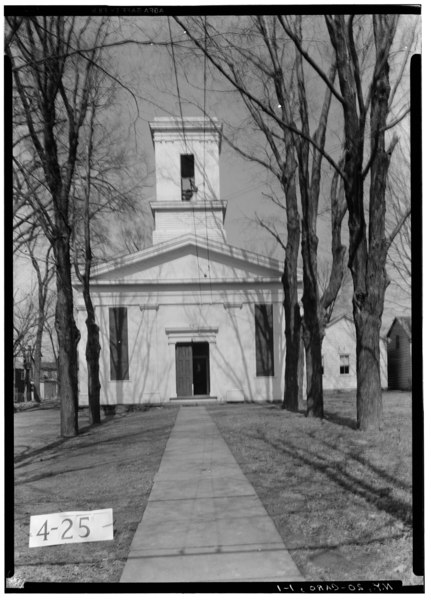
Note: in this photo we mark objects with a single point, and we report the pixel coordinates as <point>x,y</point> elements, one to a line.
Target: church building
<point>191,318</point>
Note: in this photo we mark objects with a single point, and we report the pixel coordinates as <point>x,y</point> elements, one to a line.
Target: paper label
<point>71,528</point>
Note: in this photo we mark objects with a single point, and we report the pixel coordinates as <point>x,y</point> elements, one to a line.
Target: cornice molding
<point>191,333</point>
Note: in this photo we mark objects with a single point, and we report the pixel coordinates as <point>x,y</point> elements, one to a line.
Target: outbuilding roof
<point>346,317</point>
<point>405,323</point>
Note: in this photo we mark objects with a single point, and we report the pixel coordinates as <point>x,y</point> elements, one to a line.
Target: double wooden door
<point>192,369</point>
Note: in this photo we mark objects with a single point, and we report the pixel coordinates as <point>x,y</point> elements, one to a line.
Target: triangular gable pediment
<point>186,259</point>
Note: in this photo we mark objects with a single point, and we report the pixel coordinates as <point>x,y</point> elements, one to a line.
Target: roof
<point>45,364</point>
<point>48,366</point>
<point>347,317</point>
<point>406,325</point>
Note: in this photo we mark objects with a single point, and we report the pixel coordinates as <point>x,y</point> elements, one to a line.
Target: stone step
<point>194,400</point>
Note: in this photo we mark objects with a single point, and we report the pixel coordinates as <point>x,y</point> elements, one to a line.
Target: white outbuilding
<point>339,355</point>
<point>191,318</point>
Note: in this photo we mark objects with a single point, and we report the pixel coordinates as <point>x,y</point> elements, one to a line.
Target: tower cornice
<point>174,129</point>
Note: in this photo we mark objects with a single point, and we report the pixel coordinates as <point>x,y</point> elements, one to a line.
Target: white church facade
<point>191,318</point>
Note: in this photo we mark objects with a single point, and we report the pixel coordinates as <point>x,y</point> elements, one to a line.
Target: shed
<point>48,380</point>
<point>400,354</point>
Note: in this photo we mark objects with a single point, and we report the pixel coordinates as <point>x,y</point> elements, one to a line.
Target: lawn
<point>340,498</point>
<point>109,466</point>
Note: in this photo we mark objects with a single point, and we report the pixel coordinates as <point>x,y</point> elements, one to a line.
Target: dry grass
<point>111,466</point>
<point>340,498</point>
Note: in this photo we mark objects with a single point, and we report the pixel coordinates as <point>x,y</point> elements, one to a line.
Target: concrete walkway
<point>204,521</point>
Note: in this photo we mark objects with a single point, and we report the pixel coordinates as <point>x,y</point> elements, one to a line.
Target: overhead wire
<point>185,143</point>
<point>204,163</point>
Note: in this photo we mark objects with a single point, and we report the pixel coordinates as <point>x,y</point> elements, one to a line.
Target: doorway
<point>192,369</point>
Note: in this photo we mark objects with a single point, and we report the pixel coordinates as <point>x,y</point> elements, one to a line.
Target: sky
<point>244,184</point>
<point>149,72</point>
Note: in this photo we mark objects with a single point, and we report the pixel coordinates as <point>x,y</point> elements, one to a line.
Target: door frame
<point>185,361</point>
<point>189,334</point>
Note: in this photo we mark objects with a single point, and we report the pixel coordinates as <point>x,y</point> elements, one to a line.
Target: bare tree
<point>44,270</point>
<point>49,326</point>
<point>104,186</point>
<point>53,74</point>
<point>367,250</point>
<point>317,307</point>
<point>92,351</point>
<point>366,100</point>
<point>24,322</point>
<point>399,201</point>
<point>279,108</point>
<point>24,327</point>
<point>266,93</point>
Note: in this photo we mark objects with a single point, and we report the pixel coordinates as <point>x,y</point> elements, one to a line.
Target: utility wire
<point>185,142</point>
<point>205,173</point>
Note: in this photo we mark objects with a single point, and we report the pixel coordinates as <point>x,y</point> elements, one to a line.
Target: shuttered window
<point>118,343</point>
<point>264,337</point>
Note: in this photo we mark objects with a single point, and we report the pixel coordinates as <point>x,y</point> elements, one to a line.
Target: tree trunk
<point>27,384</point>
<point>368,308</point>
<point>301,368</point>
<point>292,322</point>
<point>313,361</point>
<point>289,280</point>
<point>314,384</point>
<point>38,355</point>
<point>369,393</point>
<point>313,323</point>
<point>308,363</point>
<point>92,353</point>
<point>292,330</point>
<point>68,338</point>
<point>292,334</point>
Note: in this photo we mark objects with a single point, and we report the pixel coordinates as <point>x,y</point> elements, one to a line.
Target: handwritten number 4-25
<point>44,531</point>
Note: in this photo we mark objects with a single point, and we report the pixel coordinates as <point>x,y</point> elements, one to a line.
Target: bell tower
<point>188,201</point>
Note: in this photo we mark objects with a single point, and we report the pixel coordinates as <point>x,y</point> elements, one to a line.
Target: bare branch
<point>266,109</point>
<point>308,58</point>
<point>356,70</point>
<point>269,229</point>
<point>398,227</point>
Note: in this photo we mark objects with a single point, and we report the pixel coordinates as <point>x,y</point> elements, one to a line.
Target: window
<point>323,367</point>
<point>118,343</point>
<point>344,364</point>
<point>264,338</point>
<point>187,176</point>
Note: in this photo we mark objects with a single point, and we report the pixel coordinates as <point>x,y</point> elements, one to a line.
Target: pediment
<point>189,258</point>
